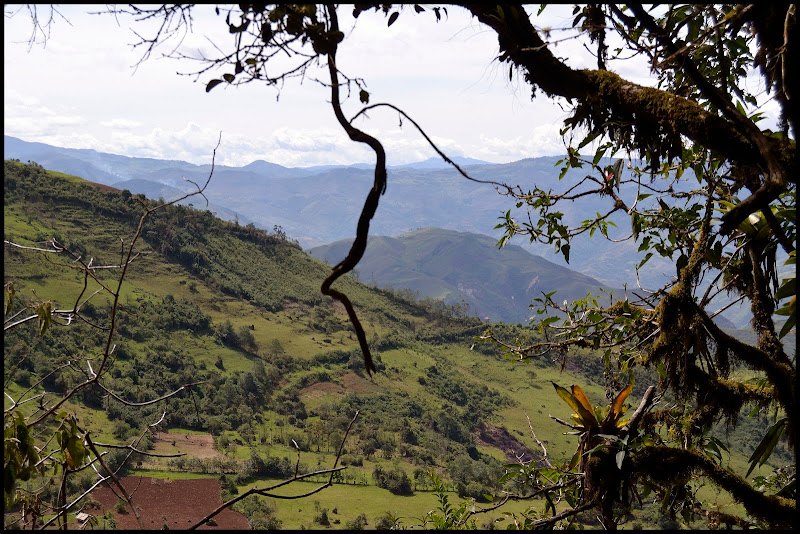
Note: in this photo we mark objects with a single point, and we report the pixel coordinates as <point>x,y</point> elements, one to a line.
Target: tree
<point>706,187</point>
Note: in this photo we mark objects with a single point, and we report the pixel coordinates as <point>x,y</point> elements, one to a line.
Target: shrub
<point>322,518</point>
<point>395,480</point>
<point>357,524</point>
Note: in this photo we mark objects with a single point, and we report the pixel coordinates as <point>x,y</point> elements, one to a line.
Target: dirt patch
<point>193,445</point>
<point>178,504</point>
<point>499,438</point>
<point>357,384</point>
<point>320,389</point>
<point>291,306</point>
<point>339,309</point>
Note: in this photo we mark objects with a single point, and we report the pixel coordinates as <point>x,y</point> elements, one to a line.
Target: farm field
<point>175,504</point>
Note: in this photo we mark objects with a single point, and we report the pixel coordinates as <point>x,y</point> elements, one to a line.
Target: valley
<point>238,313</point>
<point>424,195</point>
<point>267,368</point>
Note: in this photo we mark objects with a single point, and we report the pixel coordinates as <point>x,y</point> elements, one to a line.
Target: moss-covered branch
<point>605,94</point>
<point>665,464</point>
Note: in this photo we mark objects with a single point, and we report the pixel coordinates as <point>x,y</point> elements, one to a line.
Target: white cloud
<point>545,140</point>
<point>123,124</point>
<point>79,94</point>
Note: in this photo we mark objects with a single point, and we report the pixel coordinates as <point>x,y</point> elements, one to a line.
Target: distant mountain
<point>320,205</point>
<point>156,190</point>
<point>439,163</point>
<point>99,167</point>
<point>499,285</point>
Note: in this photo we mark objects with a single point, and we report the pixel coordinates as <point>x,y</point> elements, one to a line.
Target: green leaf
<point>662,370</point>
<point>363,96</point>
<point>789,324</point>
<point>10,291</point>
<point>45,317</point>
<point>547,322</point>
<point>767,445</point>
<point>266,32</point>
<point>682,262</point>
<point>212,84</point>
<point>229,77</point>
<point>787,289</point>
<point>578,401</point>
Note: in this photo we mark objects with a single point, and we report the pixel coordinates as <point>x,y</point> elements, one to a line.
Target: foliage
<point>259,512</point>
<point>357,524</point>
<point>723,211</point>
<point>706,187</point>
<point>395,480</point>
<point>448,517</point>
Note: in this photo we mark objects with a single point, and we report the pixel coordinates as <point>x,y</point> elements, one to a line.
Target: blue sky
<point>81,90</point>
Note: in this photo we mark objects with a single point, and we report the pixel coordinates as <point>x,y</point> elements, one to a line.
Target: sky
<point>82,88</point>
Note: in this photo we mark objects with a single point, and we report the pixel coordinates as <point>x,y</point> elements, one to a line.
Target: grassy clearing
<point>350,500</point>
<point>171,475</point>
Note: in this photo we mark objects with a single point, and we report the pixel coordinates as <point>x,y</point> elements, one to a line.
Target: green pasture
<point>350,501</point>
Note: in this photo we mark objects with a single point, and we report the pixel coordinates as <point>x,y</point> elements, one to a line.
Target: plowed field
<point>177,504</point>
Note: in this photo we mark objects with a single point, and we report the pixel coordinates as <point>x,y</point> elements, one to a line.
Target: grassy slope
<point>294,326</point>
<point>456,266</point>
<point>152,277</point>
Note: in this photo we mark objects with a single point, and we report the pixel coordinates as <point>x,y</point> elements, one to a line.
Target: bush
<point>121,507</point>
<point>322,518</point>
<point>385,522</point>
<point>357,524</point>
<point>353,459</point>
<point>396,481</point>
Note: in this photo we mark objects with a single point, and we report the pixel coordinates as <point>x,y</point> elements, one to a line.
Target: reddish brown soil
<point>358,384</point>
<point>103,187</point>
<point>500,438</point>
<point>178,503</point>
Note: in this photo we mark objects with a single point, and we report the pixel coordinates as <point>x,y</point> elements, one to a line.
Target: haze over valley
<point>319,205</point>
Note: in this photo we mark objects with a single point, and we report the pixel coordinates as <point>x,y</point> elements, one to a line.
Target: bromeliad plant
<point>605,440</point>
<point>595,425</point>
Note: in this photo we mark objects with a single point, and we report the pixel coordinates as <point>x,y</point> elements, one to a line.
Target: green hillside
<point>275,368</point>
<point>498,285</point>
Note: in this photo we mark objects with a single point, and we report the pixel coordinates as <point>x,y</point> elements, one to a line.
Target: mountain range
<point>320,205</point>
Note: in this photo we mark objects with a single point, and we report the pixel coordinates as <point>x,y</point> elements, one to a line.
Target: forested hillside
<point>234,316</point>
<point>231,318</point>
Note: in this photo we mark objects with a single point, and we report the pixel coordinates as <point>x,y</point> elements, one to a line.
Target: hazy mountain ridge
<point>320,205</point>
<point>499,285</point>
